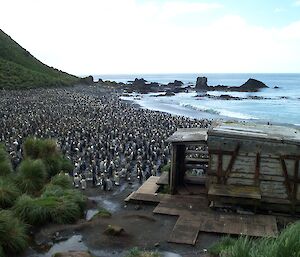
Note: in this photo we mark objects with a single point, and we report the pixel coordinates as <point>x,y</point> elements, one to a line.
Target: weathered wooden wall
<point>257,163</point>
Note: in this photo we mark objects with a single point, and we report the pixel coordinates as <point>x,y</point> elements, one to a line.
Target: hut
<point>249,164</point>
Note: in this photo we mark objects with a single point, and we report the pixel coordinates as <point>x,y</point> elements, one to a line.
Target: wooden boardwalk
<point>147,192</point>
<point>195,215</point>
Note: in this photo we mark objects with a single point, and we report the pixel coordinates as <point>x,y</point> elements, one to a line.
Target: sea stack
<point>201,84</point>
<point>252,85</point>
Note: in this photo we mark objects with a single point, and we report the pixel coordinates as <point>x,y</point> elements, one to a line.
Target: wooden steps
<point>146,192</point>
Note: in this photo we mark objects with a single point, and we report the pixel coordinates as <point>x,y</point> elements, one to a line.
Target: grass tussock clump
<point>8,193</point>
<point>13,237</point>
<point>62,180</point>
<point>31,176</point>
<point>43,210</point>
<point>47,151</point>
<point>287,244</point>
<point>136,252</point>
<point>5,163</point>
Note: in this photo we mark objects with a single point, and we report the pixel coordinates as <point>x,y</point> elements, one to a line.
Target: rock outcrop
<point>252,85</point>
<point>89,80</point>
<point>201,84</point>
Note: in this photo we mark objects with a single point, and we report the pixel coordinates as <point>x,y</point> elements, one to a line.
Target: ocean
<point>282,105</point>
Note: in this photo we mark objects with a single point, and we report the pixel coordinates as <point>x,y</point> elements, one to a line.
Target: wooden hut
<point>249,164</point>
<point>255,164</point>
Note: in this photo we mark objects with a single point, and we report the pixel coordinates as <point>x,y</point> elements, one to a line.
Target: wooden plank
<point>147,198</point>
<point>163,179</point>
<point>234,191</point>
<point>196,160</point>
<point>189,135</point>
<point>185,231</point>
<point>149,186</point>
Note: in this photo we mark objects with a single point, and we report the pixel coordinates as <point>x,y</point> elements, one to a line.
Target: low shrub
<point>31,176</point>
<point>8,192</point>
<point>13,238</point>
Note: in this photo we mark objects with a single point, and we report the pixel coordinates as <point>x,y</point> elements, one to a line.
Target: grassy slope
<point>19,69</point>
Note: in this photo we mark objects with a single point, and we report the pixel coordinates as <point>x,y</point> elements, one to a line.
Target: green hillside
<point>19,69</point>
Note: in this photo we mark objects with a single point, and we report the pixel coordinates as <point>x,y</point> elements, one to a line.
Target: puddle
<point>91,213</point>
<point>105,203</point>
<point>169,254</point>
<point>74,243</point>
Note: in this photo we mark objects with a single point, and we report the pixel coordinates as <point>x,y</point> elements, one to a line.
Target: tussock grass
<point>46,150</point>
<point>62,180</point>
<point>5,162</point>
<point>31,176</point>
<point>55,205</point>
<point>136,252</point>
<point>8,192</point>
<point>34,211</point>
<point>13,238</point>
<point>287,244</point>
<point>220,246</point>
<point>35,148</point>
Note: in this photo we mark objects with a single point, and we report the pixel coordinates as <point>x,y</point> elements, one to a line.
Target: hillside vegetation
<point>19,69</point>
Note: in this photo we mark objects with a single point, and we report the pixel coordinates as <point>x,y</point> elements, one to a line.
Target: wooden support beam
<point>231,163</point>
<point>220,164</point>
<point>286,177</point>
<point>257,168</point>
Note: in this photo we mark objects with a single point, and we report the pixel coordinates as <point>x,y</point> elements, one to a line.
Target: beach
<point>107,139</point>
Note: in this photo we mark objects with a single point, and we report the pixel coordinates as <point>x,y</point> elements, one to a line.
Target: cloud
<point>297,3</point>
<point>128,36</point>
<point>174,8</point>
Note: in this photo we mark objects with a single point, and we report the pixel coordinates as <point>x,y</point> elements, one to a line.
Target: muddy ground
<point>142,229</point>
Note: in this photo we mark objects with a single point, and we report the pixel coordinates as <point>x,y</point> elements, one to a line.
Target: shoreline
<point>191,113</point>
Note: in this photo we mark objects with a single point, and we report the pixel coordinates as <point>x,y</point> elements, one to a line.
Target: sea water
<point>281,105</point>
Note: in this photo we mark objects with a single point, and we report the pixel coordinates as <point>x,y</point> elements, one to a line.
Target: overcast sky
<point>157,36</point>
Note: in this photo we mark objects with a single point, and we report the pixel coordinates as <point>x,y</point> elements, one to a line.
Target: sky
<point>86,37</point>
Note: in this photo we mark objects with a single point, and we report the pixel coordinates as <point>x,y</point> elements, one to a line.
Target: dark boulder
<point>176,83</point>
<point>139,82</point>
<point>252,85</point>
<point>201,84</point>
<point>89,80</point>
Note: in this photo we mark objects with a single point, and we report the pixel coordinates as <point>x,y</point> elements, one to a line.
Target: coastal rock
<point>176,83</point>
<point>252,85</point>
<point>89,80</point>
<point>201,84</point>
<point>139,82</point>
